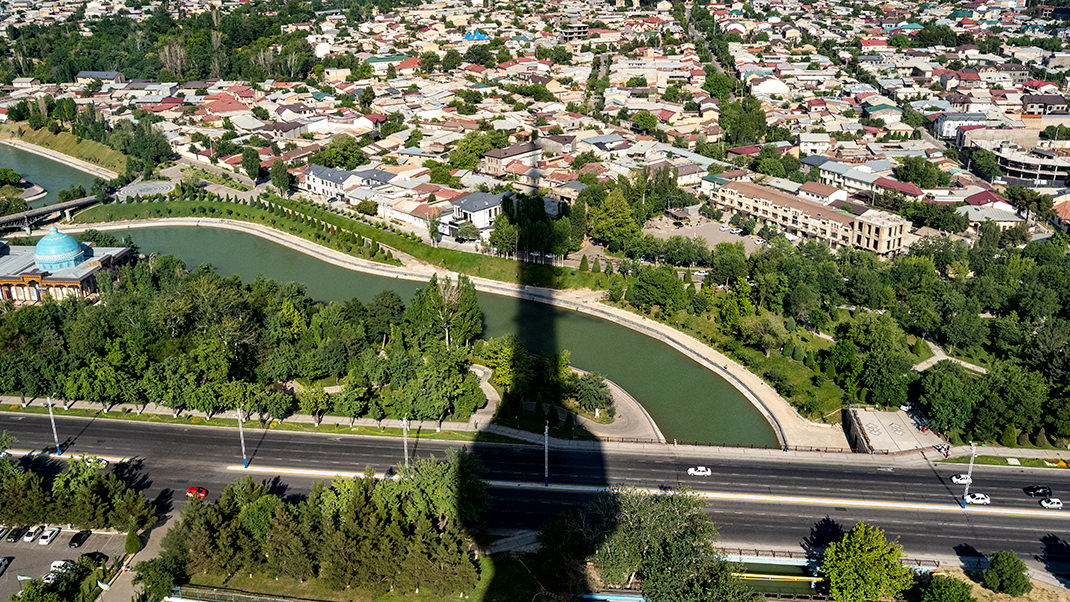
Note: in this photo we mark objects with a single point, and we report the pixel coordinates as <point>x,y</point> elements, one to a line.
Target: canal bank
<point>709,399</point>
<point>58,157</point>
<point>45,171</point>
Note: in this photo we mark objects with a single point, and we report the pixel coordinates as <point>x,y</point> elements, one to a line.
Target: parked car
<point>699,471</point>
<point>48,536</point>
<point>725,228</point>
<point>3,531</point>
<point>4,563</point>
<point>79,538</point>
<point>1037,491</point>
<point>979,499</point>
<point>96,462</point>
<point>196,492</point>
<point>58,568</point>
<point>736,230</point>
<point>97,558</point>
<point>1052,503</point>
<point>961,479</point>
<point>33,533</point>
<point>15,534</point>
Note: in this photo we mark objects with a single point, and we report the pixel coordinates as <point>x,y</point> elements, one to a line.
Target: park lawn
<point>503,578</point>
<point>67,143</point>
<point>974,355</point>
<point>573,406</point>
<point>220,179</point>
<point>473,264</point>
<point>926,353</point>
<point>329,424</point>
<point>1001,461</point>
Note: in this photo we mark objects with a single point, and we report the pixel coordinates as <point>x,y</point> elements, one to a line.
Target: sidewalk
<point>940,355</point>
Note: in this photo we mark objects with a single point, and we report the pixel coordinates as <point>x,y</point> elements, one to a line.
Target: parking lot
<point>662,227</point>
<point>33,560</point>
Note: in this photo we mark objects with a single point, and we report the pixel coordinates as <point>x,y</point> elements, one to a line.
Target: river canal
<point>44,172</point>
<point>687,401</point>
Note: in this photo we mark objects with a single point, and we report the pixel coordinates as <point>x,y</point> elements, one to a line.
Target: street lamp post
<point>969,473</point>
<point>241,435</point>
<point>405,438</point>
<point>55,436</point>
<point>546,452</point>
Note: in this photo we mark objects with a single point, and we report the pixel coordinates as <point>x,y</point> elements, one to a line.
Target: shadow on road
<point>824,532</point>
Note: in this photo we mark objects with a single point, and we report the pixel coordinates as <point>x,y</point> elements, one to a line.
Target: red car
<point>196,492</point>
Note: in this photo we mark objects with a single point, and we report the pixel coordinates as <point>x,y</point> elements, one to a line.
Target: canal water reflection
<point>44,172</point>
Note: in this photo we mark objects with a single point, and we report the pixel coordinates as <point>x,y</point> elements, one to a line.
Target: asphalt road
<point>165,459</point>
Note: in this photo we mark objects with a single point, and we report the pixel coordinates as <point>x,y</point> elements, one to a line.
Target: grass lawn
<point>926,353</point>
<point>573,406</point>
<point>503,578</point>
<point>1001,461</point>
<point>68,144</point>
<point>330,424</point>
<point>222,209</point>
<point>974,355</point>
<point>1041,592</point>
<point>215,178</point>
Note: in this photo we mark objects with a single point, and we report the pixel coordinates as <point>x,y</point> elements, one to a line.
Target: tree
<point>985,164</point>
<point>947,395</point>
<point>885,377</point>
<point>133,543</point>
<point>1006,574</point>
<point>592,392</point>
<point>159,576</point>
<point>468,231</point>
<point>864,565</point>
<point>280,177</point>
<point>451,60</point>
<point>433,223</point>
<point>613,221</point>
<point>250,162</point>
<point>943,588</point>
<point>314,402</point>
<point>922,172</point>
<point>645,121</point>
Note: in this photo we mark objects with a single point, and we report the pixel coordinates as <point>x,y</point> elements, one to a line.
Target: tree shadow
<point>824,532</point>
<point>134,473</point>
<point>1056,557</point>
<point>971,560</point>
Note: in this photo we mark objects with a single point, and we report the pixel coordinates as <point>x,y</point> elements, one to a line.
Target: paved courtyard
<point>892,432</point>
<point>33,560</point>
<point>144,189</point>
<point>662,227</point>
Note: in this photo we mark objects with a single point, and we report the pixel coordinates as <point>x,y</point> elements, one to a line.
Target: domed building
<point>58,267</point>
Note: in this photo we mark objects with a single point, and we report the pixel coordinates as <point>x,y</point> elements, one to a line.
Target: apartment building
<point>877,231</point>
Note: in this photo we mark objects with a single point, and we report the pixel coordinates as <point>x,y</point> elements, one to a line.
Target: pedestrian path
<point>940,355</point>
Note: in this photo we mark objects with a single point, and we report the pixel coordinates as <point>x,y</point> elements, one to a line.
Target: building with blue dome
<point>58,266</point>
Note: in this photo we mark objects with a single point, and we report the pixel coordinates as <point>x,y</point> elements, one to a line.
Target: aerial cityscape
<point>511,300</point>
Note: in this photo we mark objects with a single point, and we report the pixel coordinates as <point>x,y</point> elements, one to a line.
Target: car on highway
<point>15,534</point>
<point>1037,491</point>
<point>979,499</point>
<point>78,539</point>
<point>961,479</point>
<point>196,492</point>
<point>48,536</point>
<point>33,533</point>
<point>1052,503</point>
<point>699,471</point>
<point>4,563</point>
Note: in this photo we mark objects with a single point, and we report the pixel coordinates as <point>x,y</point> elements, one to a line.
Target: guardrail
<point>204,594</point>
<point>805,556</point>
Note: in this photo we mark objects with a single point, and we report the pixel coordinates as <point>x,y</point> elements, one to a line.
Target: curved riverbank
<point>790,428</point>
<point>59,157</point>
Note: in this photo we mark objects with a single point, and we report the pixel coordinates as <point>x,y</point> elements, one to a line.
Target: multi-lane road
<point>762,501</point>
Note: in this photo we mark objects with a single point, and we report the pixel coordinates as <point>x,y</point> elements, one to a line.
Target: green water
<point>778,587</point>
<point>687,401</point>
<point>50,175</point>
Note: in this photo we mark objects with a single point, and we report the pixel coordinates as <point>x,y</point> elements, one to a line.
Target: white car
<point>58,568</point>
<point>961,479</point>
<point>48,536</point>
<point>736,230</point>
<point>725,228</point>
<point>761,241</point>
<point>1052,503</point>
<point>32,533</point>
<point>699,471</point>
<point>979,499</point>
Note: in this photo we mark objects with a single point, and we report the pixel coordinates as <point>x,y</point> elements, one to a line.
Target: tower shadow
<point>532,483</point>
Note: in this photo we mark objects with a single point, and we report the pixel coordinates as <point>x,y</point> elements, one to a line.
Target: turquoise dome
<point>57,251</point>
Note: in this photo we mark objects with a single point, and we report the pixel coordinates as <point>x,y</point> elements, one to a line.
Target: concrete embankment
<point>59,157</point>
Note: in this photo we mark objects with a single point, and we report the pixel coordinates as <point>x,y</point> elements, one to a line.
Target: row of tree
<point>365,535</point>
<point>193,340</point>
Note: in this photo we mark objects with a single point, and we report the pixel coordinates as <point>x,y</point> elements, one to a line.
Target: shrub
<point>1009,438</point>
<point>1006,574</point>
<point>583,264</point>
<point>799,353</point>
<point>789,349</point>
<point>947,589</point>
<point>133,542</point>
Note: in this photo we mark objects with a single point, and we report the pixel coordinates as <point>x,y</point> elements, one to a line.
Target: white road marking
<point>68,457</point>
<point>709,495</point>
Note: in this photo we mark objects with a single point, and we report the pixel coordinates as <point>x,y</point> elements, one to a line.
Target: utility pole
<point>405,438</point>
<point>969,473</point>
<point>241,435</point>
<point>546,452</point>
<point>55,436</point>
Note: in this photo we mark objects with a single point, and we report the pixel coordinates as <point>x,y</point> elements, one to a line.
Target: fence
<point>204,594</point>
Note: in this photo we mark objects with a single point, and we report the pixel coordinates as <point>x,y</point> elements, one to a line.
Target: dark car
<point>97,558</point>
<point>4,563</point>
<point>79,538</point>
<point>1037,491</point>
<point>16,534</point>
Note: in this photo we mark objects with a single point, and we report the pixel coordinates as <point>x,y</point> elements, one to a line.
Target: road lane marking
<point>709,495</point>
<point>68,457</point>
